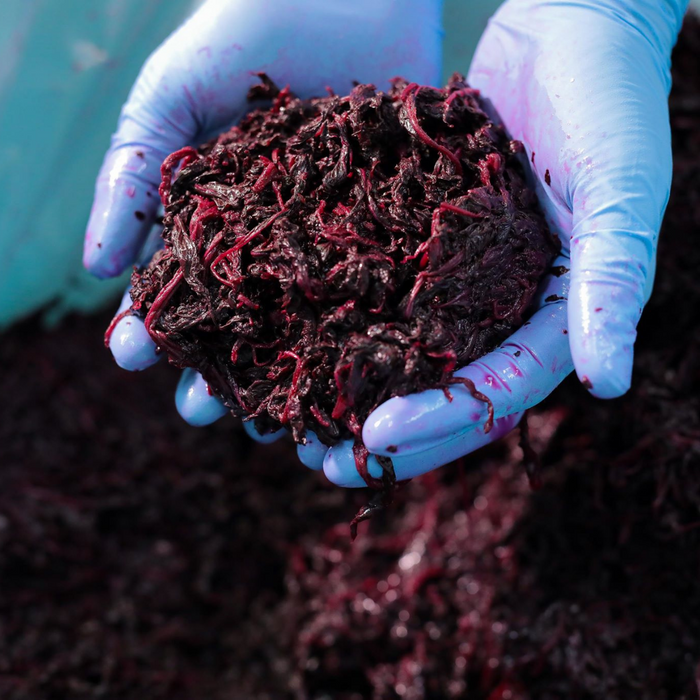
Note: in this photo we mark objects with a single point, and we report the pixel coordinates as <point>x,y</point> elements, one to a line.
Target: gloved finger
<point>262,438</point>
<point>198,406</point>
<point>618,209</point>
<point>312,453</point>
<point>132,347</point>
<point>610,273</point>
<point>339,464</point>
<point>195,402</point>
<point>519,374</point>
<point>130,344</point>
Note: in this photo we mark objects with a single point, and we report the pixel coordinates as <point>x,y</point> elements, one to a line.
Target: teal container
<point>66,67</point>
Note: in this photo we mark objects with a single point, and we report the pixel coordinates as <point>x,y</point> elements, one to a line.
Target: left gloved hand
<point>194,86</point>
<point>585,87</point>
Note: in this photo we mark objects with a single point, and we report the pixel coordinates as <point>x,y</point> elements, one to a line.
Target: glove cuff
<point>659,21</point>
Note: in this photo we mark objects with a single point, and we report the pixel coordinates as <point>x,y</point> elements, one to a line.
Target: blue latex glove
<point>584,85</point>
<point>195,86</point>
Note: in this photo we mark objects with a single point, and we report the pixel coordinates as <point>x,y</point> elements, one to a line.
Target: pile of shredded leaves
<point>328,254</point>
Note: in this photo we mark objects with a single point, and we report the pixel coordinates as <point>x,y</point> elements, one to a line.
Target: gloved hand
<point>194,86</point>
<point>584,86</point>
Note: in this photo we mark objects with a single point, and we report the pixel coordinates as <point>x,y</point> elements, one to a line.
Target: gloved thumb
<point>617,215</point>
<point>126,193</point>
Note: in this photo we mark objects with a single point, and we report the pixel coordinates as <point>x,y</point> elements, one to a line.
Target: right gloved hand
<point>584,86</point>
<point>195,85</point>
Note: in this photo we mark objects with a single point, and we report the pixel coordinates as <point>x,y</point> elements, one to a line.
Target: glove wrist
<point>659,21</point>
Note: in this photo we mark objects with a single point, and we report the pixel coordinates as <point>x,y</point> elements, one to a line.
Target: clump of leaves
<point>328,254</point>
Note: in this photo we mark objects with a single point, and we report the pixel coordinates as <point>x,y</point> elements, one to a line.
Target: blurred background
<point>66,67</point>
